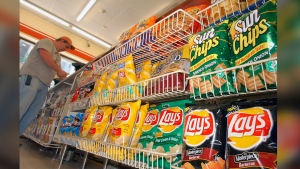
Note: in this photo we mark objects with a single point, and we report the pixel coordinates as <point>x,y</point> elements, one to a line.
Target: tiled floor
<point>34,156</point>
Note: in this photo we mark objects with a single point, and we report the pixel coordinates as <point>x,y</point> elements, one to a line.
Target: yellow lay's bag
<point>126,76</point>
<point>143,72</point>
<point>99,87</point>
<point>108,131</point>
<point>100,123</point>
<point>137,131</point>
<point>87,120</point>
<point>123,126</point>
<point>124,122</point>
<point>110,84</point>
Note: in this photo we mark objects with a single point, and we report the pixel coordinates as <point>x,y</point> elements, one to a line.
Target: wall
<point>55,31</point>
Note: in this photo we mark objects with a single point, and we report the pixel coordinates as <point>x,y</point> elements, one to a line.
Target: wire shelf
<point>122,154</point>
<point>157,41</point>
<point>224,9</point>
<point>258,80</point>
<point>159,88</point>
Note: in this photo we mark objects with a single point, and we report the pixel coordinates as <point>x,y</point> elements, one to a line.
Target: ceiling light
<point>91,37</point>
<point>45,13</point>
<point>85,10</point>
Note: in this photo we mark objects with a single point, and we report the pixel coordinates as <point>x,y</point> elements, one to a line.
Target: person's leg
<point>36,105</point>
<point>27,94</point>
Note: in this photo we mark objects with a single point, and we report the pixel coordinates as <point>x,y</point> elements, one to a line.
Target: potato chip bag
<point>99,87</point>
<point>169,134</point>
<point>123,125</point>
<point>205,136</point>
<point>148,134</point>
<point>209,52</point>
<point>145,24</point>
<point>77,124</point>
<point>254,38</point>
<point>108,130</point>
<point>100,123</point>
<point>87,120</point>
<point>143,72</point>
<point>126,71</point>
<point>124,122</point>
<point>125,36</point>
<point>126,76</point>
<point>223,10</point>
<point>252,134</point>
<point>191,25</point>
<point>110,84</point>
<point>137,131</point>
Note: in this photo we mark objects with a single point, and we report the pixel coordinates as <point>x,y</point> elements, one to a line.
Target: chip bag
<point>100,123</point>
<point>77,124</point>
<point>145,24</point>
<point>137,131</point>
<point>254,38</point>
<point>126,76</point>
<point>168,137</point>
<point>252,134</point>
<point>99,87</point>
<point>124,122</point>
<point>205,137</point>
<point>125,36</point>
<point>110,84</point>
<point>87,120</point>
<point>147,137</point>
<point>143,72</point>
<point>209,52</point>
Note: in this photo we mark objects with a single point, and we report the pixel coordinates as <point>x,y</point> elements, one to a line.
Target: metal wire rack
<point>159,88</point>
<point>204,86</point>
<point>133,157</point>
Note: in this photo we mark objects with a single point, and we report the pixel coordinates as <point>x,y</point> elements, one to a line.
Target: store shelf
<point>80,105</point>
<point>157,41</point>
<point>115,152</point>
<point>40,142</point>
<point>224,9</point>
<point>157,89</point>
<point>252,85</point>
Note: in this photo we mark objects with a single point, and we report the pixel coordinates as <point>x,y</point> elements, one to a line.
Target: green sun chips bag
<point>209,52</point>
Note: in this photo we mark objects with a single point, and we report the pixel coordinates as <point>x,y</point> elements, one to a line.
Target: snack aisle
<point>196,89</point>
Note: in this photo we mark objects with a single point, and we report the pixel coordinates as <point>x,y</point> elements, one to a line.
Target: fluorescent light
<point>91,37</point>
<point>45,13</point>
<point>85,10</point>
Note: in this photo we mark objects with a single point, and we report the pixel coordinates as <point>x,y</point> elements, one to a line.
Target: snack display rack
<point>207,92</point>
<point>154,44</point>
<point>115,152</point>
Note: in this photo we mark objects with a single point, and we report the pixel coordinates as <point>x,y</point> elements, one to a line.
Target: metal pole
<point>63,155</point>
<point>84,159</point>
<point>105,163</point>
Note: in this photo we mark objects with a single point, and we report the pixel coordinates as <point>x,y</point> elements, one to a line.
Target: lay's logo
<point>248,128</point>
<point>123,114</point>
<point>150,120</point>
<point>170,119</point>
<point>98,117</point>
<point>199,126</point>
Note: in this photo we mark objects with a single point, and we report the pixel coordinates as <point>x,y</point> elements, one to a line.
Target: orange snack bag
<point>127,35</point>
<point>145,24</point>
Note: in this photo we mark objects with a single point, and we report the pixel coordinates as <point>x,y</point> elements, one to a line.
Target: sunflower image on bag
<point>254,38</point>
<point>209,52</point>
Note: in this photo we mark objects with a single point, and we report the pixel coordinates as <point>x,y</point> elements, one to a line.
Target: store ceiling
<point>120,15</point>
